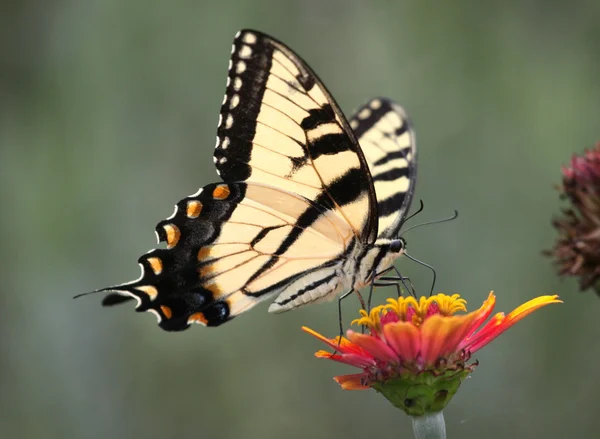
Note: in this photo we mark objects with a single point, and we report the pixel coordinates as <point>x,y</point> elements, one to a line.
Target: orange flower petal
<point>346,351</point>
<point>482,314</point>
<point>374,346</point>
<point>501,323</point>
<point>441,335</point>
<point>327,355</point>
<point>404,338</point>
<point>343,346</point>
<point>351,382</point>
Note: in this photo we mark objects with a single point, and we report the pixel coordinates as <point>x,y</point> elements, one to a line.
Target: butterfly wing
<point>280,126</point>
<point>387,139</point>
<point>297,198</point>
<point>231,246</point>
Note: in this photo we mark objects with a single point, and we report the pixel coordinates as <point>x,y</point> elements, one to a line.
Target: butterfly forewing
<point>279,126</point>
<point>387,140</point>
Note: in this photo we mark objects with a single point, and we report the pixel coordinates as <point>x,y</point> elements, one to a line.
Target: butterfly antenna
<point>412,215</point>
<point>424,265</point>
<point>443,220</point>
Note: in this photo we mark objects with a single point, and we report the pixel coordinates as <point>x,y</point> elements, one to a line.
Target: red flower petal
<point>350,359</point>
<point>374,346</point>
<point>483,313</point>
<point>389,317</point>
<point>484,334</point>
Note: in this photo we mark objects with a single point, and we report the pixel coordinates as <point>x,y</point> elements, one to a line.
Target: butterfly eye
<point>397,245</point>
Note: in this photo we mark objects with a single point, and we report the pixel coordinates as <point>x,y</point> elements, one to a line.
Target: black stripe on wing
<point>387,139</point>
<point>392,174</point>
<point>280,126</point>
<point>249,66</point>
<point>345,190</point>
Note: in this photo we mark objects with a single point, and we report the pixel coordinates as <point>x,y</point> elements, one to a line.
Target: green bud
<point>424,393</point>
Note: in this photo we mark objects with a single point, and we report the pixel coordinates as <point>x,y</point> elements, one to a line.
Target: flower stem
<point>430,426</point>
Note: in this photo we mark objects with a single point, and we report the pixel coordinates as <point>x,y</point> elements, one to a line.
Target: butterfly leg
<point>393,284</point>
<point>395,280</point>
<point>342,297</point>
<point>371,286</point>
<point>390,281</point>
<point>377,284</point>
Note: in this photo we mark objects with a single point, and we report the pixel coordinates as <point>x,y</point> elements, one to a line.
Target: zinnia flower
<point>416,353</point>
<point>577,249</point>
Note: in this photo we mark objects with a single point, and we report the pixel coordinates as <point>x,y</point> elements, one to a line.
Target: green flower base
<point>424,393</point>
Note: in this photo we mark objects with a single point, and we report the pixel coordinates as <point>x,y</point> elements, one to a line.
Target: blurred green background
<point>108,113</point>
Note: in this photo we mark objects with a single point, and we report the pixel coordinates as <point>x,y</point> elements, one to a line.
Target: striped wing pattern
<point>296,201</point>
<point>280,126</point>
<point>387,140</point>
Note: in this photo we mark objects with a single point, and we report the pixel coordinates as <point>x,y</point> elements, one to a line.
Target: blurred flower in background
<point>416,352</point>
<point>577,249</point>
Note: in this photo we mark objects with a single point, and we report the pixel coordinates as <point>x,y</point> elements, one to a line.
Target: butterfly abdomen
<point>320,286</point>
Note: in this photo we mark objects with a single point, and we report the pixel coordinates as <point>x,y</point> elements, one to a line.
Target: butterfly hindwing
<point>280,126</point>
<point>229,247</point>
<point>387,139</point>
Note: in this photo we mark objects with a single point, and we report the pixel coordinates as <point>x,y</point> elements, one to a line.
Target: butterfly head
<point>398,245</point>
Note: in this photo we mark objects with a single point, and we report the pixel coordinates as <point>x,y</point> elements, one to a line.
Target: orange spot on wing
<point>198,318</point>
<point>206,270</point>
<point>221,192</point>
<point>166,311</point>
<point>194,207</point>
<point>156,265</point>
<point>151,291</point>
<point>214,289</point>
<point>173,235</point>
<point>203,253</point>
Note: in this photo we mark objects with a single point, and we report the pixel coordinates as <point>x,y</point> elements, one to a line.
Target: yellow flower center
<point>408,309</point>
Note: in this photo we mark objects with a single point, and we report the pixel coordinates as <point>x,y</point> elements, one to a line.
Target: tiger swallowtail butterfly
<point>310,204</point>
